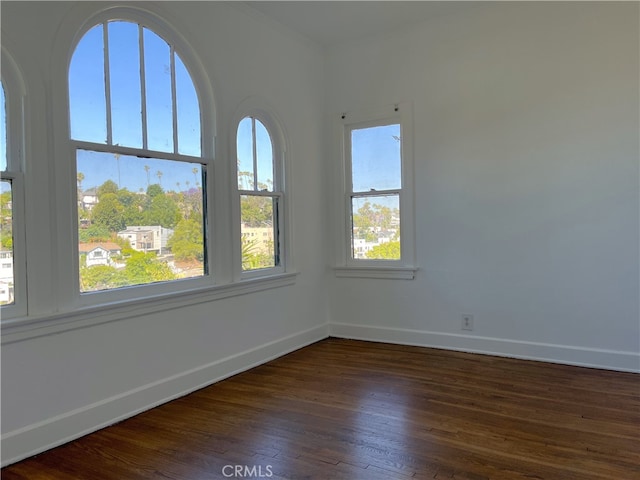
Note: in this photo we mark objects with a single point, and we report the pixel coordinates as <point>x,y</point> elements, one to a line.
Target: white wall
<point>56,387</point>
<point>526,141</point>
<point>526,181</point>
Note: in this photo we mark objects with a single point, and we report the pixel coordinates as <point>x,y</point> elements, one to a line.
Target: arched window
<point>135,128</point>
<point>12,253</point>
<point>260,186</point>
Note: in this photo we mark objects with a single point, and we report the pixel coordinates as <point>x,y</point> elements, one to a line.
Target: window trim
<point>346,265</point>
<point>70,295</point>
<point>15,100</point>
<point>260,110</point>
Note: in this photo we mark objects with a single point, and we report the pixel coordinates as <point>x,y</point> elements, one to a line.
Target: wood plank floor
<point>343,409</point>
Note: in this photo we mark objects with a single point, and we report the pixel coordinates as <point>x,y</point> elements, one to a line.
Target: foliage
<point>154,190</point>
<point>256,211</point>
<point>252,257</point>
<point>119,208</point>
<point>145,268</point>
<point>370,217</point>
<point>106,188</point>
<point>101,277</point>
<point>108,213</point>
<point>162,211</point>
<point>186,243</point>
<point>94,233</point>
<point>385,251</point>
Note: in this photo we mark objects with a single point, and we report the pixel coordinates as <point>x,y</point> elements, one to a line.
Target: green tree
<point>108,213</point>
<point>162,211</point>
<point>101,277</point>
<point>143,268</point>
<point>186,243</point>
<point>94,233</point>
<point>385,251</point>
<point>154,190</point>
<point>256,211</point>
<point>106,188</point>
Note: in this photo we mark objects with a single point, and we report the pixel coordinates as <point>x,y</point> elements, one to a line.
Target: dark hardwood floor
<point>342,409</point>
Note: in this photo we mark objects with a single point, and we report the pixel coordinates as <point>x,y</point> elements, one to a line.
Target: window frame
<point>71,295</point>
<point>254,107</point>
<point>15,104</point>
<point>346,264</point>
<point>55,303</point>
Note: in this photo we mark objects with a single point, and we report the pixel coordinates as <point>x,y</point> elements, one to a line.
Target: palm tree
<point>117,155</point>
<point>146,169</point>
<point>195,175</point>
<point>159,175</point>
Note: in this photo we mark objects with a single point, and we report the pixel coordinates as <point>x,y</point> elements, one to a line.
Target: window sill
<point>24,328</point>
<point>393,273</point>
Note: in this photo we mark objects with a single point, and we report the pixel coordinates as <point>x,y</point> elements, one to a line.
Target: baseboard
<point>564,354</point>
<point>50,433</point>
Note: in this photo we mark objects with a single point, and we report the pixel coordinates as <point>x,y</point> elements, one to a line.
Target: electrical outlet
<point>467,322</point>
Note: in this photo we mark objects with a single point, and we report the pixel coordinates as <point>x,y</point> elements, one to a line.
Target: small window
<point>260,195</point>
<point>378,215</point>
<point>141,179</point>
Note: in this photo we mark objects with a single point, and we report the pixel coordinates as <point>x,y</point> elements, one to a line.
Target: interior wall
<point>526,181</point>
<point>57,387</point>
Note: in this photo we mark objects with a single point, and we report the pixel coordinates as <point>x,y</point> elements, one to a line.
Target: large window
<point>259,178</point>
<point>135,126</point>
<point>378,218</point>
<point>12,248</point>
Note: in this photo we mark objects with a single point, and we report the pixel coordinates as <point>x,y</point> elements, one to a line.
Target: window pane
<point>157,64</point>
<point>3,130</point>
<point>375,227</point>
<point>188,112</point>
<point>87,104</point>
<point>245,154</point>
<point>259,239</point>
<point>124,74</point>
<point>140,220</point>
<point>375,158</point>
<point>6,246</point>
<point>264,152</point>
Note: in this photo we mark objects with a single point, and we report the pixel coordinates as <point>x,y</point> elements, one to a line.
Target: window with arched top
<point>136,130</point>
<point>260,187</point>
<point>12,228</point>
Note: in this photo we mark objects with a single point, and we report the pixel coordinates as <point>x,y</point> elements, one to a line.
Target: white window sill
<point>24,328</point>
<point>394,273</point>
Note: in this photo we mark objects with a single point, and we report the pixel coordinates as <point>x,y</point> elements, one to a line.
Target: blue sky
<point>375,158</point>
<point>88,107</point>
<point>129,172</point>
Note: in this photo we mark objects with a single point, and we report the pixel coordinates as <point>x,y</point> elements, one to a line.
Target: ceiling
<point>329,23</point>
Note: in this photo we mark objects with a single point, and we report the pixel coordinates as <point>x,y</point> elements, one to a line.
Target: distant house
<point>260,237</point>
<point>147,238</point>
<point>6,266</point>
<point>6,276</point>
<point>99,253</point>
<point>88,199</point>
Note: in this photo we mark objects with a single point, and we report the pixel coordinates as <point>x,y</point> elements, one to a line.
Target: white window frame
<point>55,302</point>
<point>73,295</point>
<point>15,99</point>
<point>261,111</point>
<point>346,265</point>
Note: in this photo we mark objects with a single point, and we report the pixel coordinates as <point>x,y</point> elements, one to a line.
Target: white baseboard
<point>52,432</point>
<point>564,354</point>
